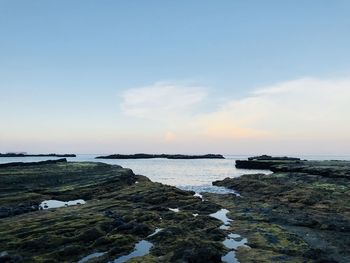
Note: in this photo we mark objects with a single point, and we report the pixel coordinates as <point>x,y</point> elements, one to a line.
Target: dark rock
<point>270,158</point>
<point>5,257</point>
<point>118,213</point>
<point>308,199</point>
<point>91,235</point>
<point>22,164</point>
<point>36,155</point>
<point>189,252</point>
<point>167,156</point>
<point>4,212</point>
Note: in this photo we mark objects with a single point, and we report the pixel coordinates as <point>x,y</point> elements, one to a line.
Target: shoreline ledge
<point>265,162</point>
<point>166,156</point>
<point>300,210</point>
<point>23,164</point>
<point>117,216</point>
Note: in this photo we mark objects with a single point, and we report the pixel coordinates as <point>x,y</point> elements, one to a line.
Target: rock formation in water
<point>167,156</point>
<point>22,164</point>
<point>264,162</point>
<point>36,155</point>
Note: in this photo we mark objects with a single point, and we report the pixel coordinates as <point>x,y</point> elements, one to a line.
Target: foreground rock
<point>167,156</point>
<point>121,209</point>
<point>299,213</point>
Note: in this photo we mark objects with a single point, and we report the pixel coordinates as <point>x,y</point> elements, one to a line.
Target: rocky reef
<point>167,156</point>
<point>121,212</point>
<point>298,213</point>
<point>272,158</point>
<point>22,164</point>
<point>59,211</point>
<point>264,162</point>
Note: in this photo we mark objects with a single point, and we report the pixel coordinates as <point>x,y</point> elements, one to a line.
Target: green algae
<point>118,213</point>
<point>299,213</point>
<point>329,186</point>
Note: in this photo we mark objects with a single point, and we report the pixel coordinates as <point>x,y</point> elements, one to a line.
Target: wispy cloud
<point>162,101</point>
<point>302,108</point>
<point>305,108</point>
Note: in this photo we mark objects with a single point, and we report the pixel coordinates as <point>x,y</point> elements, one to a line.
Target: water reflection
<point>91,256</point>
<point>47,204</point>
<point>232,241</point>
<point>197,172</point>
<point>142,248</point>
<point>222,215</point>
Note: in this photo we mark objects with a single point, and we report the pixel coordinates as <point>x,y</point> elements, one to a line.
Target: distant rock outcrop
<point>35,155</point>
<point>167,156</point>
<point>16,164</point>
<point>272,158</point>
<point>264,162</point>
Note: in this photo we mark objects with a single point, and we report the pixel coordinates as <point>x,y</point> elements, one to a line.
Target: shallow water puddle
<point>47,204</point>
<point>224,227</point>
<point>91,256</point>
<point>232,241</point>
<point>230,257</point>
<point>198,189</point>
<point>142,248</point>
<point>199,195</point>
<point>155,232</point>
<point>221,215</point>
<point>176,210</point>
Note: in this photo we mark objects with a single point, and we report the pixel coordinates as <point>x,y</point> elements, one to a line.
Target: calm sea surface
<point>196,174</point>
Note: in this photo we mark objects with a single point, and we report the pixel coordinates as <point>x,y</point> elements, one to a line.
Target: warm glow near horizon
<point>216,82</point>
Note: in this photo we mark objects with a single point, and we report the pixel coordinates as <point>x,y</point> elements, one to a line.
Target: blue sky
<point>67,69</point>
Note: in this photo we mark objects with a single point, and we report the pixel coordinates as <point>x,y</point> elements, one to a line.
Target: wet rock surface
<point>117,215</point>
<point>298,213</point>
<point>265,162</point>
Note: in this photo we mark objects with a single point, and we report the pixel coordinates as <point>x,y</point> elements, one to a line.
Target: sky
<point>194,76</point>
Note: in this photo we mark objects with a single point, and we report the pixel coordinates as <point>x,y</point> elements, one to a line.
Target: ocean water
<point>194,174</point>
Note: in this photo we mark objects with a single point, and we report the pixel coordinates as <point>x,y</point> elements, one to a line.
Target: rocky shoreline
<point>302,210</point>
<point>121,209</point>
<point>298,213</point>
<point>23,164</point>
<point>166,156</point>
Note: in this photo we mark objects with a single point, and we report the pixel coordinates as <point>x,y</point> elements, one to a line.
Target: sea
<point>190,174</point>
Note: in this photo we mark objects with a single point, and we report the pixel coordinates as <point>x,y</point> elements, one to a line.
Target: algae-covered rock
<point>117,214</point>
<point>299,213</point>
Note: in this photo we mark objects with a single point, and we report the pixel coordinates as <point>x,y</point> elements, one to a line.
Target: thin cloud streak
<point>305,108</point>
<point>162,101</point>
